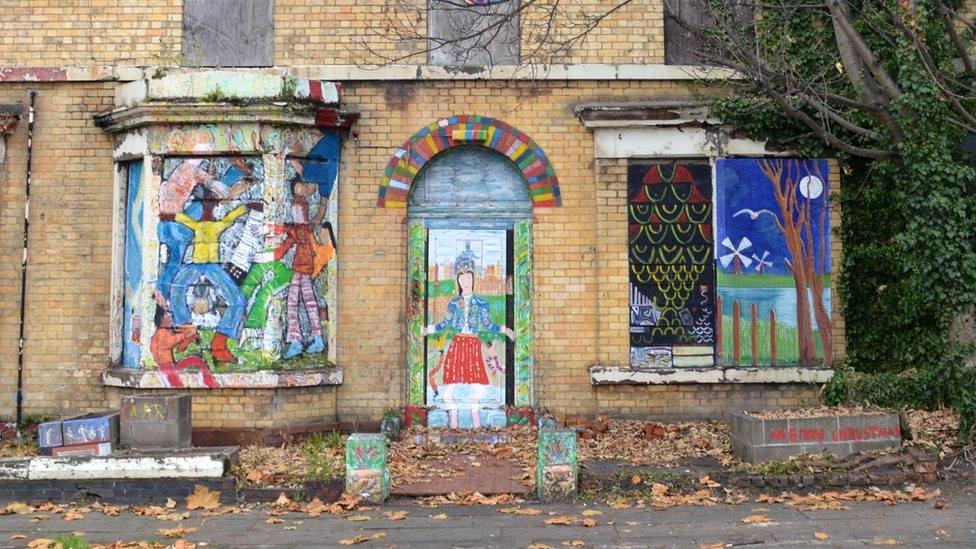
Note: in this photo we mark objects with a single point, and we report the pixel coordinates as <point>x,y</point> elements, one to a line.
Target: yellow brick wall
<point>251,408</point>
<point>701,401</point>
<point>307,32</point>
<point>580,258</point>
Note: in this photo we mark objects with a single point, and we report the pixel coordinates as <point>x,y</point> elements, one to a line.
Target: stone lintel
<point>622,375</point>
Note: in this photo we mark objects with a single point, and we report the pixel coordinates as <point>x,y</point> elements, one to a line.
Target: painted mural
<point>132,292</point>
<point>467,335</point>
<point>671,265</point>
<point>773,258</point>
<point>246,266</point>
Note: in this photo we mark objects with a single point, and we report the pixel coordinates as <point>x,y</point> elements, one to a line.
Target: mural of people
<point>300,237</point>
<point>205,264</point>
<point>168,339</point>
<point>464,362</point>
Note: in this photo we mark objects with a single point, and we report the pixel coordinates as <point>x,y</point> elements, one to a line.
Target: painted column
<point>367,475</point>
<point>557,470</point>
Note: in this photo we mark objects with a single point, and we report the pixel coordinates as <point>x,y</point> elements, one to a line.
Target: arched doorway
<point>470,213</point>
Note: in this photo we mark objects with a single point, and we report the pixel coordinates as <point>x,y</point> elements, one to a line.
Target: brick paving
<point>482,473</point>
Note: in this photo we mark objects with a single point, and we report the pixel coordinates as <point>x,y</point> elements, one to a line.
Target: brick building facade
<point>585,137</point>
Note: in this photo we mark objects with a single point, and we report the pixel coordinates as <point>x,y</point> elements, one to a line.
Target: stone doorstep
<point>189,463</point>
<point>448,437</point>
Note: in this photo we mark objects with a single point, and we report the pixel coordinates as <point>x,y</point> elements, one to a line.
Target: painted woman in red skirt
<point>464,360</point>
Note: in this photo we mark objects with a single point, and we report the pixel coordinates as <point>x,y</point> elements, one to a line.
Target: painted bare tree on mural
<point>795,193</point>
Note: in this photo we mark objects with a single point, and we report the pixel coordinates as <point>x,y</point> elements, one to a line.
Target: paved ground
<point>482,473</point>
<point>910,525</point>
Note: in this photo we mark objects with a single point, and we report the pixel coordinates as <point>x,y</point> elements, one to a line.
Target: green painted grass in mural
<point>787,346</point>
<point>250,360</point>
<point>724,280</point>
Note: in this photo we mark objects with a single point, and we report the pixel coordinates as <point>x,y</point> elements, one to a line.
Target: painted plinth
<point>366,473</point>
<point>557,470</point>
<point>152,422</point>
<point>756,440</point>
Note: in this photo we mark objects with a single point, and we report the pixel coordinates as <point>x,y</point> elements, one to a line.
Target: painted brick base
<point>701,401</point>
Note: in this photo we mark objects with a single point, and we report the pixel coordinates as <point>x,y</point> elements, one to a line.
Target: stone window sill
<point>620,375</point>
<point>154,379</point>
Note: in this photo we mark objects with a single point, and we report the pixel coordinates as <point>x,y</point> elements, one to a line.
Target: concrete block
<point>367,475</point>
<point>190,463</point>
<point>14,468</point>
<point>156,421</point>
<point>557,469</point>
<point>755,439</point>
<point>94,449</point>
<point>91,428</point>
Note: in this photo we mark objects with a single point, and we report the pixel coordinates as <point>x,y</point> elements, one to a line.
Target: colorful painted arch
<point>455,131</point>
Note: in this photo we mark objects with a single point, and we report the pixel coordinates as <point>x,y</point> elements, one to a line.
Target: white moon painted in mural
<point>811,187</point>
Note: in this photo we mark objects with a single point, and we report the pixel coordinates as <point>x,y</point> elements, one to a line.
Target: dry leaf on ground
<point>354,541</point>
<point>561,520</point>
<point>589,523</point>
<point>396,515</point>
<point>756,519</point>
<point>574,543</point>
<point>177,532</point>
<point>359,518</point>
<point>73,515</point>
<point>525,512</point>
<point>540,546</point>
<point>439,516</point>
<point>592,512</point>
<point>888,541</point>
<point>202,498</point>
<point>274,520</point>
<point>821,536</point>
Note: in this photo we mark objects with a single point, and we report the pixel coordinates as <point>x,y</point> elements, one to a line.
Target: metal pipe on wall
<point>32,96</point>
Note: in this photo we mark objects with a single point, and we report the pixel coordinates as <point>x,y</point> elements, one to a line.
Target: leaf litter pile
<point>291,464</point>
<point>430,459</point>
<point>625,440</point>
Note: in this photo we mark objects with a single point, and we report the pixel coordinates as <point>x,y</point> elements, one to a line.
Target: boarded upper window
<point>473,33</point>
<point>682,45</point>
<point>228,33</point>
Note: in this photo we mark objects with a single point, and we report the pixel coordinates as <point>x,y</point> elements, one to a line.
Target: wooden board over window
<point>473,34</point>
<point>228,33</point>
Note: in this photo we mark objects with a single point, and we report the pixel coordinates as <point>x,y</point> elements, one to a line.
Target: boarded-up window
<point>683,17</point>
<point>473,33</point>
<point>228,33</point>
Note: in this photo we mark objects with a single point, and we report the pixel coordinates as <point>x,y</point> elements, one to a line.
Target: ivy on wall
<point>909,215</point>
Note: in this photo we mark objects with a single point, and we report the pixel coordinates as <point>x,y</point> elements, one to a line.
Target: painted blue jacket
<point>467,320</point>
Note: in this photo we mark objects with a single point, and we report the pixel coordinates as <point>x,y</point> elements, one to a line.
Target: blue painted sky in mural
<point>487,246</point>
<point>742,188</point>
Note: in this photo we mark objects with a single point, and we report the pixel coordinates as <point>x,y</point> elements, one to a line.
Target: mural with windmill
<point>773,259</point>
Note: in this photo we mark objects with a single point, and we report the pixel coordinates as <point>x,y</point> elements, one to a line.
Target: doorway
<point>469,265</point>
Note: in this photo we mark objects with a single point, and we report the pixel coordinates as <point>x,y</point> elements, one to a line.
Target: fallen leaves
<point>469,498</point>
<point>821,536</point>
<point>202,498</point>
<point>886,541</point>
<point>439,516</point>
<point>354,541</point>
<point>835,501</point>
<point>177,532</point>
<point>625,440</point>
<point>560,520</point>
<point>525,512</point>
<point>73,515</point>
<point>589,522</point>
<point>756,519</point>
<point>359,518</point>
<point>592,513</point>
<point>396,515</point>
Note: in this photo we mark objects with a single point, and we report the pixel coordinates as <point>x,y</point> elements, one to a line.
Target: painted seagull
<point>753,214</point>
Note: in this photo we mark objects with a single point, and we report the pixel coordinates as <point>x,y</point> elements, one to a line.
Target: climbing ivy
<point>908,221</point>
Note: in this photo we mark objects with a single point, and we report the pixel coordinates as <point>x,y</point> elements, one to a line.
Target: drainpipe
<point>32,95</point>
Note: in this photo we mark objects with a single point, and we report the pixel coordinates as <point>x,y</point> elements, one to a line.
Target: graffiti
<point>455,131</point>
<point>773,262</point>
<point>467,348</point>
<point>670,261</point>
<point>246,261</point>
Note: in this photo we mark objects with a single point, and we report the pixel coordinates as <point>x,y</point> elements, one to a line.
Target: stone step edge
<point>211,463</point>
